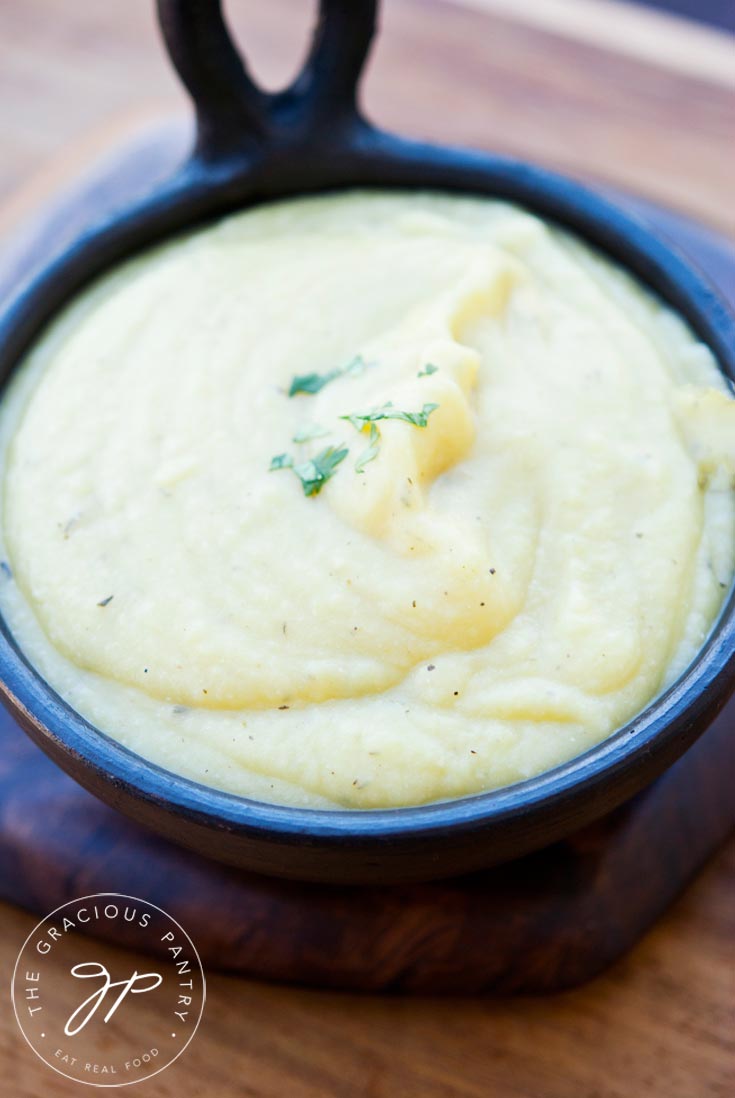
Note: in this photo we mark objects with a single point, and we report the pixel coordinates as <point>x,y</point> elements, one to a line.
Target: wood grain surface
<point>71,71</point>
<point>661,1023</point>
<point>543,923</point>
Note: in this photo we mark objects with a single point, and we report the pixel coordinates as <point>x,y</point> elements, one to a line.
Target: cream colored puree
<point>496,591</point>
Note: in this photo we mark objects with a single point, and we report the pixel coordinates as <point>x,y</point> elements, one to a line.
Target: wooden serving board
<point>548,921</point>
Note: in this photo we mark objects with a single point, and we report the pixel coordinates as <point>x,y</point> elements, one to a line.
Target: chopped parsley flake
<point>314,383</point>
<point>371,451</point>
<point>281,461</point>
<point>417,419</point>
<point>428,370</point>
<point>310,431</point>
<point>315,472</point>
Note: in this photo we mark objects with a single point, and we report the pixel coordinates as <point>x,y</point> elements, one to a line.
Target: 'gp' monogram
<point>91,970</point>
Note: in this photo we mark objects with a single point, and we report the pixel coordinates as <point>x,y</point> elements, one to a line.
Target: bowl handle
<point>233,113</point>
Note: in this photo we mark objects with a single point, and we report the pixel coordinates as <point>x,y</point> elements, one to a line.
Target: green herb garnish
<point>371,452</point>
<point>315,472</point>
<point>281,461</point>
<point>310,431</point>
<point>314,383</point>
<point>428,369</point>
<point>417,419</point>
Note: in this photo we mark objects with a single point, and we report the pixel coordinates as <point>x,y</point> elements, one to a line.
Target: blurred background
<point>720,13</point>
<point>605,69</point>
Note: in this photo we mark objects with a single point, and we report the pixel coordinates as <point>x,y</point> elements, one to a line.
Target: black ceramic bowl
<point>253,147</point>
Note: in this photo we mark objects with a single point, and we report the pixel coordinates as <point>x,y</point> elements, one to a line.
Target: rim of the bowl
<point>669,717</point>
<point>665,727</point>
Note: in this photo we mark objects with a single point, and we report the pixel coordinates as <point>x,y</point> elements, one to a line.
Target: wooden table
<point>602,90</point>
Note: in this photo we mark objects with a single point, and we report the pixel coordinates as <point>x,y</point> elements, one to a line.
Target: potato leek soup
<point>369,499</point>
